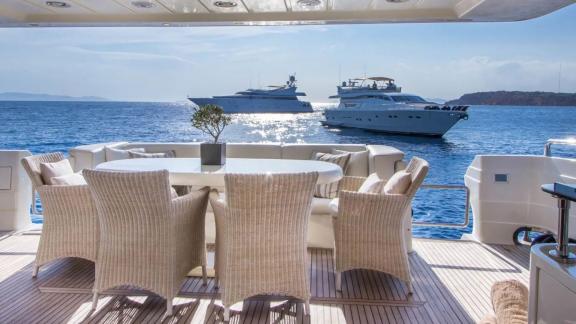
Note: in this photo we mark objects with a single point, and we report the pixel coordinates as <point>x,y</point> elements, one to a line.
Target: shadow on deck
<point>452,281</point>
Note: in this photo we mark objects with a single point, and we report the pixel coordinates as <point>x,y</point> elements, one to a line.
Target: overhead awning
<point>32,13</point>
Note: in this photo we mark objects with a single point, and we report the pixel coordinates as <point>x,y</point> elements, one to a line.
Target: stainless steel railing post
<point>466,209</point>
<point>563,217</point>
<point>550,142</point>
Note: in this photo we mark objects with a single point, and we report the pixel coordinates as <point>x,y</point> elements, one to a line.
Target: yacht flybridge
<point>451,280</point>
<point>378,104</point>
<point>274,99</point>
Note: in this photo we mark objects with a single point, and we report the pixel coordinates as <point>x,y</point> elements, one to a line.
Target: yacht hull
<point>247,105</point>
<point>420,122</point>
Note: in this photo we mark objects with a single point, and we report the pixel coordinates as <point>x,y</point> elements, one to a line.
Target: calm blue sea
<point>58,126</point>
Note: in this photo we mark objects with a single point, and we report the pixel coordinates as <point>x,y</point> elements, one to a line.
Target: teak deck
<point>452,281</point>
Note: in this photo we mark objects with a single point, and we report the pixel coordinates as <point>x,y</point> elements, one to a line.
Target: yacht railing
<point>557,141</point>
<point>466,208</point>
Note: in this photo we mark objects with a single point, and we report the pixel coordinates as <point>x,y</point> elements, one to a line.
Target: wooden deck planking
<point>452,281</point>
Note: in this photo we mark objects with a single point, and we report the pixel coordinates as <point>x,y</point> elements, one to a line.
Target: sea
<point>58,126</point>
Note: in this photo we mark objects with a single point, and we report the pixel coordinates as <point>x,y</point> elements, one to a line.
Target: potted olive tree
<point>211,120</point>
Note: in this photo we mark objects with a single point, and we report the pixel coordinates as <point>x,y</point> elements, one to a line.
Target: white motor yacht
<point>275,99</point>
<point>378,104</point>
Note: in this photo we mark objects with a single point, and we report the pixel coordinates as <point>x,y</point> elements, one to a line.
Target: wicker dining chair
<point>261,235</point>
<point>70,219</point>
<point>148,239</point>
<point>32,166</point>
<point>369,231</point>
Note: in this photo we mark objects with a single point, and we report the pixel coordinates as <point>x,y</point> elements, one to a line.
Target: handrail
<point>559,141</point>
<point>466,211</point>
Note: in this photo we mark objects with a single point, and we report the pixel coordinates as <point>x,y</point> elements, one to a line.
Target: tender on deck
<point>452,281</point>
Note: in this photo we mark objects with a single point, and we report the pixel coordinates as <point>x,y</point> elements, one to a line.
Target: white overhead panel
<point>351,5</point>
<point>110,7</point>
<point>309,5</point>
<point>145,7</point>
<point>60,7</point>
<point>33,13</point>
<point>225,6</point>
<point>483,10</point>
<point>268,6</point>
<point>394,5</point>
<point>12,11</point>
<point>184,6</point>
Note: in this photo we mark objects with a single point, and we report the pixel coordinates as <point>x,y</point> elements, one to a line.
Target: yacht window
<point>385,98</point>
<point>408,99</point>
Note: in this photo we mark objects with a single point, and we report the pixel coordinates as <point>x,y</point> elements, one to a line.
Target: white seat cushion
<point>398,183</point>
<point>55,169</point>
<point>321,205</point>
<point>75,179</point>
<point>254,151</point>
<point>139,155</point>
<point>173,193</point>
<point>334,206</point>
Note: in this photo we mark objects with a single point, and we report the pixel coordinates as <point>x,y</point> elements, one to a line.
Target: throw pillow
<point>330,190</point>
<point>398,183</point>
<point>358,164</point>
<point>55,169</point>
<point>113,154</point>
<point>372,184</point>
<point>74,179</point>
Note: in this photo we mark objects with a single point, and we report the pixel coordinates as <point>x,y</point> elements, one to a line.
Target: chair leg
<point>226,314</point>
<point>338,281</point>
<point>410,290</point>
<point>307,307</point>
<point>95,300</point>
<point>34,209</point>
<point>169,307</point>
<point>35,271</point>
<point>204,275</point>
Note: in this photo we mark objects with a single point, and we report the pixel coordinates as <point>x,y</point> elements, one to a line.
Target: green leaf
<point>210,120</point>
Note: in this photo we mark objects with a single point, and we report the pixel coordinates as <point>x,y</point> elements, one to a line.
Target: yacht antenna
<point>339,73</point>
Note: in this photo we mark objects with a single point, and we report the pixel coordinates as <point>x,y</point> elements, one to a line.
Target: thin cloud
<point>128,56</point>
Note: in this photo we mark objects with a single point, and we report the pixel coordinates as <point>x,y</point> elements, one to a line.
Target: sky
<point>442,60</point>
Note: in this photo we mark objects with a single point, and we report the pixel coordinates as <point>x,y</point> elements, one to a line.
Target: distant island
<point>516,98</point>
<point>23,96</point>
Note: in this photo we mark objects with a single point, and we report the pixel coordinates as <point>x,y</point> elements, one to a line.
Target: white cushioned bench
<point>384,160</point>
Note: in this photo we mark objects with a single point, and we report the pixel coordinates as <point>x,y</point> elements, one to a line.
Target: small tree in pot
<point>211,120</point>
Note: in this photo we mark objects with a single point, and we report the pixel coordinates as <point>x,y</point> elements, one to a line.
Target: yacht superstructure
<point>377,104</point>
<point>275,99</point>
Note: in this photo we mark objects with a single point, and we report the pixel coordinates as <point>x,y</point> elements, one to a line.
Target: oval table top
<point>189,171</point>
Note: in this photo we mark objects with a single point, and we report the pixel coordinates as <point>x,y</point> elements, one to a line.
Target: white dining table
<point>189,171</point>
